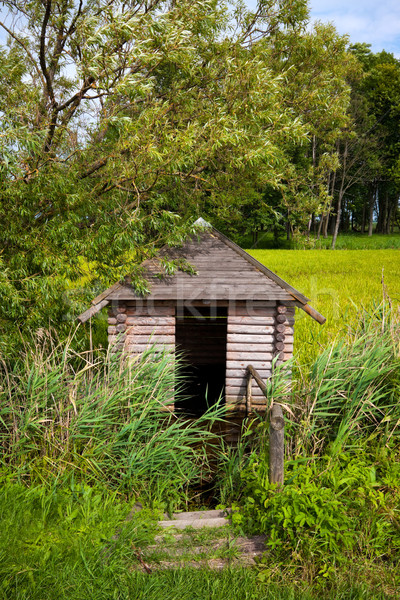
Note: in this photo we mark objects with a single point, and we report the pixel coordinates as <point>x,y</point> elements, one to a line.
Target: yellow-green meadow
<point>338,283</point>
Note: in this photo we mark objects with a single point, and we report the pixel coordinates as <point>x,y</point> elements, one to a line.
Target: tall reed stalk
<point>351,391</point>
<point>97,419</point>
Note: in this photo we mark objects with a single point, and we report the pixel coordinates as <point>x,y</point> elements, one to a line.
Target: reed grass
<point>92,418</point>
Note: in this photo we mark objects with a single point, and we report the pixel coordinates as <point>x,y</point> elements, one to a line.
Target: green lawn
<point>338,283</point>
<point>57,545</point>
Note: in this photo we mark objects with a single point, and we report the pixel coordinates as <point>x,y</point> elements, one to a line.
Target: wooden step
<point>197,514</point>
<point>195,522</point>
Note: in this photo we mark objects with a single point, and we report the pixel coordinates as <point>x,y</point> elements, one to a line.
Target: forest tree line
<point>121,123</point>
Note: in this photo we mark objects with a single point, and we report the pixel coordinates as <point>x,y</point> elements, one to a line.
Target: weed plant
<point>339,508</point>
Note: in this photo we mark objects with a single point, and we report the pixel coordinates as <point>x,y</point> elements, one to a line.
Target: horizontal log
<point>150,329</point>
<point>242,374</point>
<point>139,348</point>
<point>249,347</point>
<point>243,364</point>
<point>154,339</point>
<point>251,320</point>
<point>112,321</point>
<point>249,338</point>
<point>250,310</point>
<point>152,311</point>
<point>240,391</point>
<point>242,381</point>
<point>259,402</point>
<point>148,320</point>
<point>281,309</point>
<point>250,357</point>
<point>251,329</point>
<point>280,337</point>
<point>280,346</point>
<point>121,318</point>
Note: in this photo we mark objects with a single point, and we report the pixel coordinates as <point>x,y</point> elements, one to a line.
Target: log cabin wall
<point>134,327</point>
<point>256,334</point>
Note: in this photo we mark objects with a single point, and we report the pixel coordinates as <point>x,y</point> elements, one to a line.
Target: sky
<point>376,22</point>
<point>372,21</point>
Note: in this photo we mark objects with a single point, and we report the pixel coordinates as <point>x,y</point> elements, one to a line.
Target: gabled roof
<point>223,272</point>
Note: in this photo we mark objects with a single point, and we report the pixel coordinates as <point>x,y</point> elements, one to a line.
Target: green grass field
<point>339,285</point>
<point>345,241</point>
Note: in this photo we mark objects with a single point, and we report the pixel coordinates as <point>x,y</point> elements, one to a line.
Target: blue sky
<point>372,21</point>
<point>376,22</point>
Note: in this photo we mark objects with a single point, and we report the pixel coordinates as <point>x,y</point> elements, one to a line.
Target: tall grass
<point>96,419</point>
<point>351,391</point>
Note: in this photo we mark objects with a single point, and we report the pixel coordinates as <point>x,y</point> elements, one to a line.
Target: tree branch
<point>28,53</point>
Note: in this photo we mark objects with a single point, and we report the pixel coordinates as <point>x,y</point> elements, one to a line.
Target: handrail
<point>276,430</point>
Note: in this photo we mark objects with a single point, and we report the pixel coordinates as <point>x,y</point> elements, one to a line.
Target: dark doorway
<point>201,343</point>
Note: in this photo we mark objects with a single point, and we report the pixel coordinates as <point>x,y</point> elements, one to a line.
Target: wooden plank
<point>240,391</point>
<point>257,363</point>
<point>249,338</point>
<point>106,293</point>
<point>150,329</point>
<point>251,320</point>
<point>251,329</point>
<point>240,381</point>
<point>232,374</point>
<point>148,321</point>
<point>154,339</point>
<point>139,348</point>
<point>251,357</point>
<point>151,311</point>
<point>250,348</point>
<point>251,310</point>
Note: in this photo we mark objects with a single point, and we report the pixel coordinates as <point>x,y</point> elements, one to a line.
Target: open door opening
<point>201,335</point>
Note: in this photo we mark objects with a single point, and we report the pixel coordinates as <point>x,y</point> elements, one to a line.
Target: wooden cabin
<point>233,312</point>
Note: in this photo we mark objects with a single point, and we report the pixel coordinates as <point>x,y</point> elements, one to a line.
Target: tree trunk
<point>371,209</point>
<point>364,217</point>
<point>340,197</point>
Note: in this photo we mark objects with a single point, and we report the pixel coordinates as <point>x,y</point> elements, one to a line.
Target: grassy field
<point>339,285</point>
<point>345,241</point>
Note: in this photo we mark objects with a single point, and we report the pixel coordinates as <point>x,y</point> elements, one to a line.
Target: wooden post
<point>248,394</point>
<point>276,445</point>
<point>276,432</point>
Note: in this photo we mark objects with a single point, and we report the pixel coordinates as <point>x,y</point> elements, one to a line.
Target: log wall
<point>255,336</point>
<point>256,333</point>
<point>134,329</point>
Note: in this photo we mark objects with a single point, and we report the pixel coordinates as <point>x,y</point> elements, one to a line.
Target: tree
<point>121,121</point>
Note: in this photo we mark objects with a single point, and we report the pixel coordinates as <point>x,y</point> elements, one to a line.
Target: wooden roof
<point>223,272</point>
